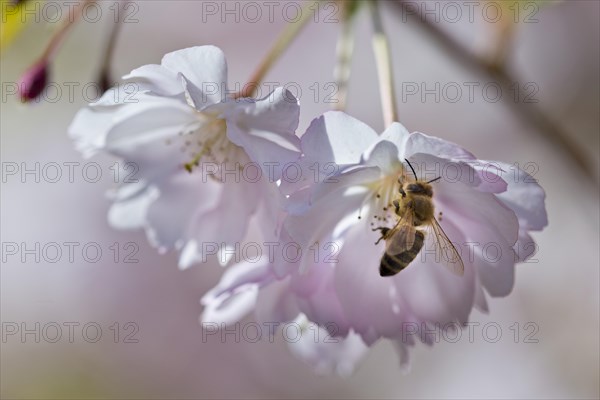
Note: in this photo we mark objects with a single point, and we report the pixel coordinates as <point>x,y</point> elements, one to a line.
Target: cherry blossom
<point>190,141</point>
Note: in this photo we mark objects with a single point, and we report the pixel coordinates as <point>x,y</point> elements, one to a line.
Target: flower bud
<point>33,81</point>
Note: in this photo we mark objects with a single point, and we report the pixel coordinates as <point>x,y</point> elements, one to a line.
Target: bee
<point>405,240</point>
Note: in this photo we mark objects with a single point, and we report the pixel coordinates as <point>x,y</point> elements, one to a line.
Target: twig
<point>528,112</point>
<point>383,59</point>
<point>344,50</point>
<point>285,39</point>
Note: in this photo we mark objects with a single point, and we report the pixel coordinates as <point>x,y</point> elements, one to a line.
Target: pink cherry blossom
<point>488,210</point>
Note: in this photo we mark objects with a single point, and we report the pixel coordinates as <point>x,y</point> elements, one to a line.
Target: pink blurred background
<point>559,293</point>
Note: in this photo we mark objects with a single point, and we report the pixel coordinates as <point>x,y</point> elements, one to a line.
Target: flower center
<point>382,194</point>
<point>208,142</point>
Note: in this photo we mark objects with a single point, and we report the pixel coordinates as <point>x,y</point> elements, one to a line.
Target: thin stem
<point>529,112</point>
<point>504,33</point>
<point>285,39</point>
<point>383,59</point>
<point>104,76</point>
<point>58,37</point>
<point>344,50</point>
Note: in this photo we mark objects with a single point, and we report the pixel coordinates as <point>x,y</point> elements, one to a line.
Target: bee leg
<point>384,232</point>
<point>402,192</point>
<point>396,204</point>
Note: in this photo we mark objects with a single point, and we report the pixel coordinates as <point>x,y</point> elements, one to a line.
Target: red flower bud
<point>33,81</point>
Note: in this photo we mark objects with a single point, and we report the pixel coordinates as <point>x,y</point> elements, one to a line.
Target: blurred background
<point>162,353</point>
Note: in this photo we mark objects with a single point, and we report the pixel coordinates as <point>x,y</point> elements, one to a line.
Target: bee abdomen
<point>391,264</point>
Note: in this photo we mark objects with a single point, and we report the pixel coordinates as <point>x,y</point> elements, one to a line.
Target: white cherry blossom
<point>190,141</point>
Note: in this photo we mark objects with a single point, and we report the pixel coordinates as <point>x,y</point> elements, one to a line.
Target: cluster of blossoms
<point>350,179</point>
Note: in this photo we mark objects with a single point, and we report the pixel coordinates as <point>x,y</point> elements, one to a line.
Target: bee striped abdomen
<point>391,264</point>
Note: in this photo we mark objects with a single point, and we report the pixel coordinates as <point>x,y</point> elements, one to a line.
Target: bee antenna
<point>436,179</point>
<point>412,169</point>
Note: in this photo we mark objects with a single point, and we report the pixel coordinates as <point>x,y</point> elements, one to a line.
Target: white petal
<point>266,130</point>
<point>421,143</point>
<point>493,256</point>
<point>225,225</point>
<point>237,277</point>
<point>329,355</point>
<point>316,295</point>
<point>279,112</point>
<point>368,300</point>
<point>229,309</point>
<point>315,226</point>
<point>276,304</point>
<point>525,247</point>
<point>130,213</point>
<point>457,191</point>
<point>337,137</point>
<point>480,301</point>
<point>403,356</point>
<point>205,68</point>
<point>385,156</point>
<point>351,178</point>
<point>190,255</point>
<point>490,175</point>
<point>183,197</point>
<point>526,198</point>
<point>89,129</point>
<point>397,134</point>
<point>432,292</point>
<point>151,120</point>
<point>125,93</point>
<point>157,79</point>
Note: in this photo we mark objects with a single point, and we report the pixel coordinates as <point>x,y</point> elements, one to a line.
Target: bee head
<point>419,188</point>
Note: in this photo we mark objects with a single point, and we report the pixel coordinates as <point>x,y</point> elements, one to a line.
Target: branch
<point>528,112</point>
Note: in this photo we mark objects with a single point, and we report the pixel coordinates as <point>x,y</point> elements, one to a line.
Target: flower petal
<point>315,226</point>
<point>368,300</point>
<point>421,143</point>
<point>336,137</point>
<point>130,212</point>
<point>182,198</point>
<point>526,198</point>
<point>384,155</point>
<point>157,79</point>
<point>151,120</point>
<point>275,305</point>
<point>89,129</point>
<point>225,225</point>
<point>205,71</point>
<point>329,355</point>
<point>433,293</point>
<point>266,130</point>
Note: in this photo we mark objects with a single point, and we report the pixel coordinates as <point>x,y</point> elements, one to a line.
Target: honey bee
<point>405,240</point>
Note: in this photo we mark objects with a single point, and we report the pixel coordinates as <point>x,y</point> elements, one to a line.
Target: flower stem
<point>344,50</point>
<point>381,48</point>
<point>285,39</point>
<point>104,77</point>
<point>504,32</point>
<point>58,37</point>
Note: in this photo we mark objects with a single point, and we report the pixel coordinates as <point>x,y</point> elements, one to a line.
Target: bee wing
<point>402,236</point>
<point>449,257</point>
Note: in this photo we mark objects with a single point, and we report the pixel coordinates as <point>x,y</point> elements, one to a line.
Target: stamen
<point>216,127</point>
